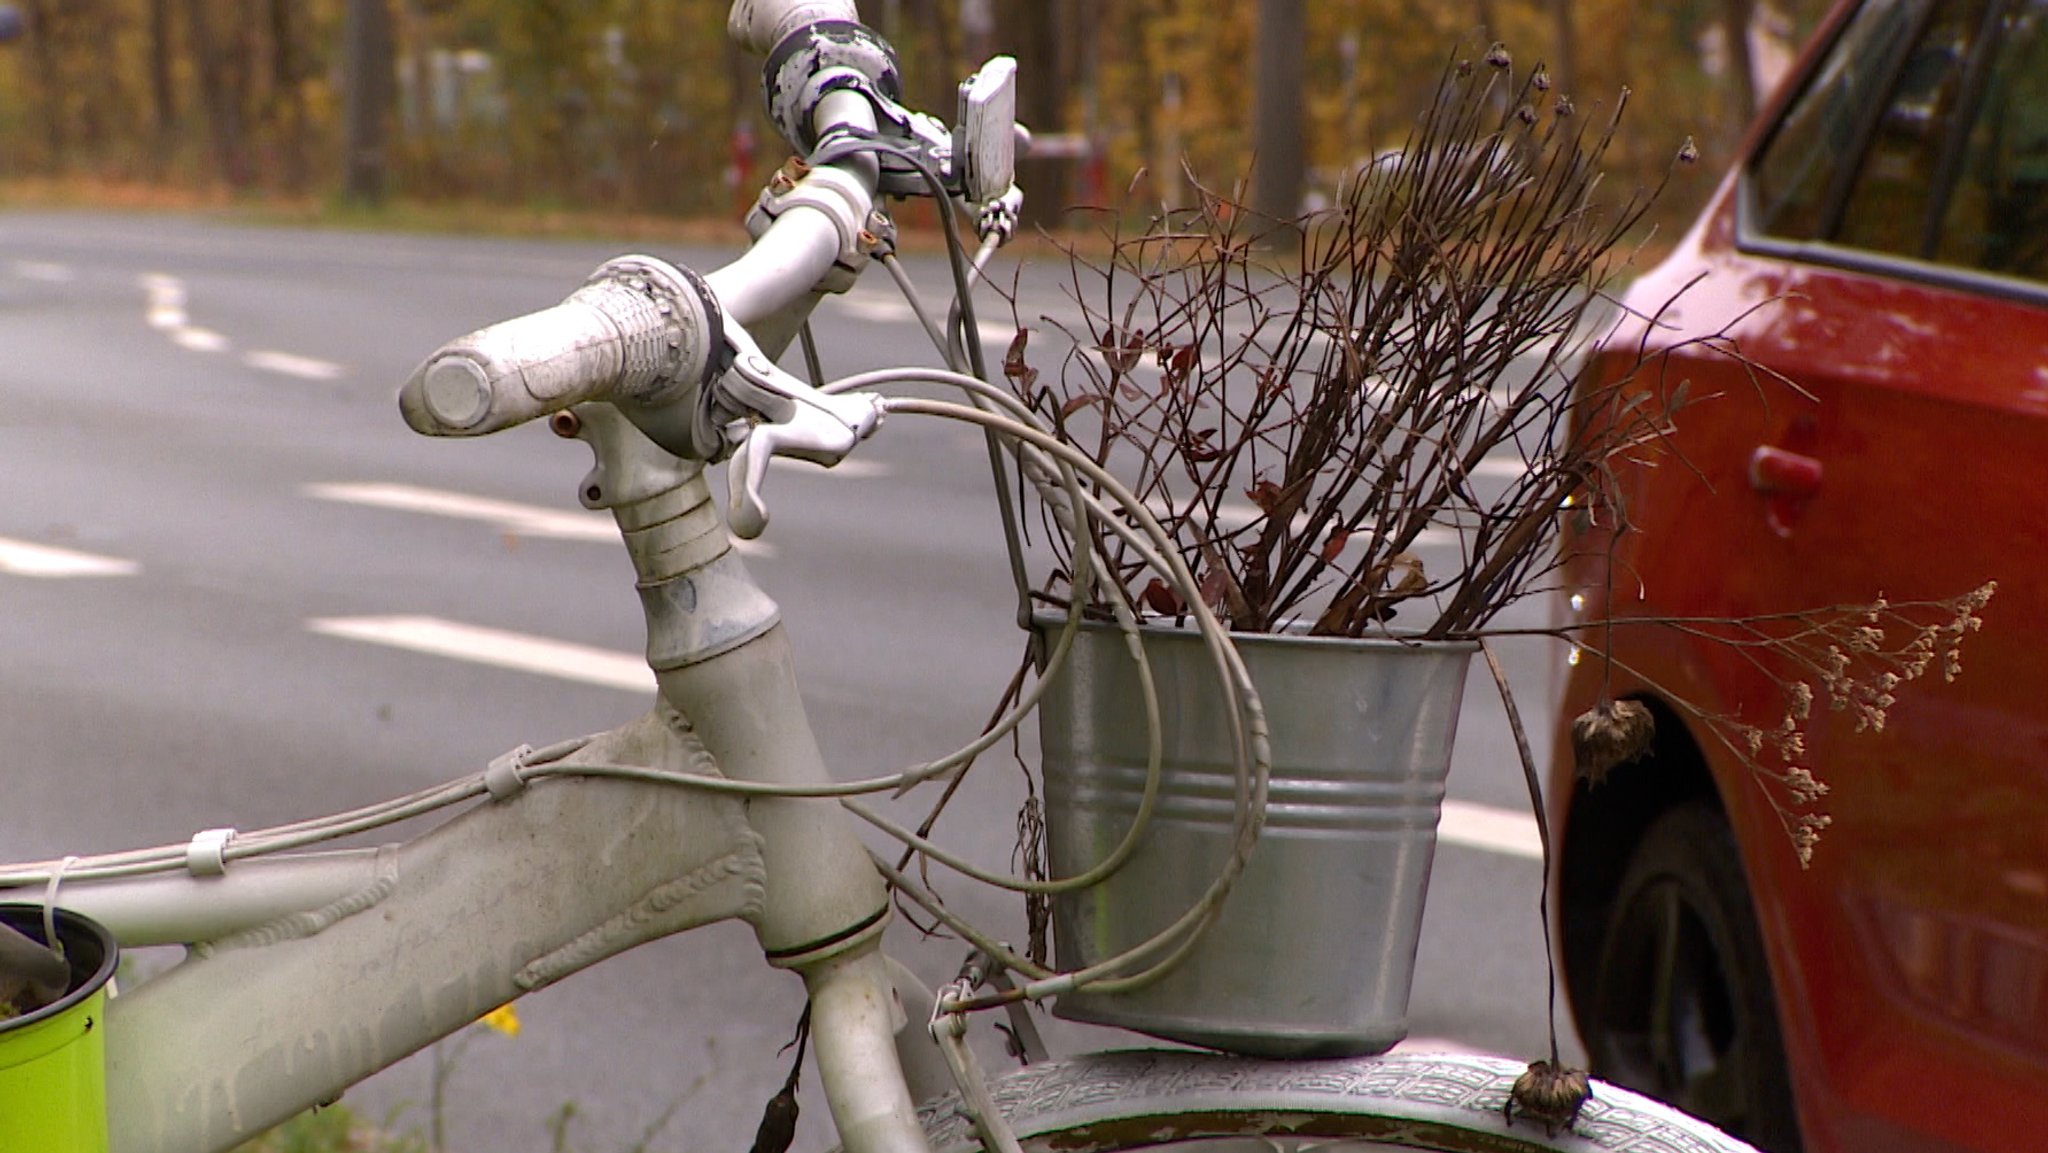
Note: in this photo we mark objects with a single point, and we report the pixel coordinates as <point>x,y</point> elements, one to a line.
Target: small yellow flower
<point>503,1019</point>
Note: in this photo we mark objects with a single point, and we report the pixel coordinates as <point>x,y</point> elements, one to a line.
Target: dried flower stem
<point>1850,657</point>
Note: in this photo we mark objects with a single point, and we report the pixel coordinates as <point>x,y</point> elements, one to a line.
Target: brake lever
<point>782,416</point>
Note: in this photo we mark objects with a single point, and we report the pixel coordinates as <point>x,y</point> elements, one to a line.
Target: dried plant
<point>1416,335</point>
<point>1358,388</point>
<point>1850,657</point>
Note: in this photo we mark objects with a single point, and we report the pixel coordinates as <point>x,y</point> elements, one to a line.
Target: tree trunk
<point>289,98</point>
<point>1278,164</point>
<point>1737,16</point>
<point>366,99</point>
<point>1033,30</point>
<point>216,93</point>
<point>1566,70</point>
<point>50,87</point>
<point>162,89</point>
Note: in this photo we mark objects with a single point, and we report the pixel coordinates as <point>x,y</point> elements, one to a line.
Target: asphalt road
<point>209,501</point>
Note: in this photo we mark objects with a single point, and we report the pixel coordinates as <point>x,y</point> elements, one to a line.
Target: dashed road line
<point>164,310</point>
<point>537,521</point>
<point>495,647</point>
<point>1472,826</point>
<point>290,364</point>
<point>21,558</point>
<point>166,301</point>
<point>199,339</point>
<point>44,271</point>
<point>1504,831</point>
<point>504,515</point>
<point>889,310</point>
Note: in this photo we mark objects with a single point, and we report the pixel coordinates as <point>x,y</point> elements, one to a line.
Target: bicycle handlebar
<point>759,25</point>
<point>653,337</point>
<point>640,330</point>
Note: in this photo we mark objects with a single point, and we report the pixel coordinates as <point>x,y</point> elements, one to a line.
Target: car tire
<point>1681,1007</point>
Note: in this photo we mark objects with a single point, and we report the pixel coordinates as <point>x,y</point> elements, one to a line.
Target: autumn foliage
<point>640,105</point>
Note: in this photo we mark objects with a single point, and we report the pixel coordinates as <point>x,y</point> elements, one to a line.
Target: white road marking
<point>1501,468</point>
<point>44,271</point>
<point>495,647</point>
<point>20,558</point>
<point>526,519</point>
<point>504,515</point>
<point>1234,515</point>
<point>852,468</point>
<point>166,311</point>
<point>1505,831</point>
<point>890,310</point>
<point>199,339</point>
<point>1472,826</point>
<point>287,364</point>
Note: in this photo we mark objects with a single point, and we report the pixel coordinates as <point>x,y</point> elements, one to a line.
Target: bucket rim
<point>1295,635</point>
<point>69,924</point>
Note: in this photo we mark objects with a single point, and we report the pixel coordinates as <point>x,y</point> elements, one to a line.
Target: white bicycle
<point>310,969</point>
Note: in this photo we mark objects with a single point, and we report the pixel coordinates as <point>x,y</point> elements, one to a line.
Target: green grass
<point>334,1129</point>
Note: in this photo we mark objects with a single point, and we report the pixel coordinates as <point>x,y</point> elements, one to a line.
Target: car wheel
<point>1681,1005</point>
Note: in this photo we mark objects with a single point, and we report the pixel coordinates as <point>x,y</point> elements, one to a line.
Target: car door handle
<point>1776,472</point>
<point>1788,481</point>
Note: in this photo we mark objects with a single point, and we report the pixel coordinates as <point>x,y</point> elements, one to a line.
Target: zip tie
<point>51,940</point>
<point>206,855</point>
<point>504,777</point>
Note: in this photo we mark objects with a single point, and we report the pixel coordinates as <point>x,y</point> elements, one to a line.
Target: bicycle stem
<point>722,660</point>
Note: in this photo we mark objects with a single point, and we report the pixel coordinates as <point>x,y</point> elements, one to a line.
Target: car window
<point>1906,164</point>
<point>1792,180</point>
<point>1997,217</point>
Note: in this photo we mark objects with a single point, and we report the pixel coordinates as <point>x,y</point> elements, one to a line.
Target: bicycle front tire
<point>1106,1102</point>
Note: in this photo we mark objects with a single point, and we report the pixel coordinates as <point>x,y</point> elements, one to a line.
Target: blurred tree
<point>640,104</point>
<point>367,58</point>
<point>221,92</point>
<point>1278,162</point>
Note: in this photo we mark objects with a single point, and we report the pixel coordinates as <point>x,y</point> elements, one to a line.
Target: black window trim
<point>1749,238</point>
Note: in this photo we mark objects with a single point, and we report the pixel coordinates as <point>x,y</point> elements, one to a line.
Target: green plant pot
<point>53,1077</point>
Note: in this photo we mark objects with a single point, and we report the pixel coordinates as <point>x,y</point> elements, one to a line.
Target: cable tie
<point>50,939</point>
<point>206,855</point>
<point>505,777</point>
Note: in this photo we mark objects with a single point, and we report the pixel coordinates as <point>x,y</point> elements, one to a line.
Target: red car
<point>1883,242</point>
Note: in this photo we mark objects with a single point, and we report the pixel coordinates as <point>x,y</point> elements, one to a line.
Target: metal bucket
<point>1314,952</point>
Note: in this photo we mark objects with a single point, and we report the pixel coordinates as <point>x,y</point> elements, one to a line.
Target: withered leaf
<point>1161,599</point>
<point>1405,577</point>
<point>1176,361</point>
<point>1196,446</point>
<point>1339,537</point>
<point>1265,494</point>
<point>1077,403</point>
<point>1013,360</point>
<point>1121,349</point>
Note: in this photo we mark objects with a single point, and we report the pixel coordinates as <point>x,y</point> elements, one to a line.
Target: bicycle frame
<point>310,972</point>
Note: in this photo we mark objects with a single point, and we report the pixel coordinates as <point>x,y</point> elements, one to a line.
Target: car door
<point>1897,221</point>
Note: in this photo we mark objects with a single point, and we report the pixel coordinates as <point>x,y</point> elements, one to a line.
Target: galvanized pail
<point>1315,950</point>
<point>53,1080</point>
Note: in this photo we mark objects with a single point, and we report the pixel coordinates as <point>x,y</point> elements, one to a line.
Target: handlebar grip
<point>640,330</point>
<point>760,25</point>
